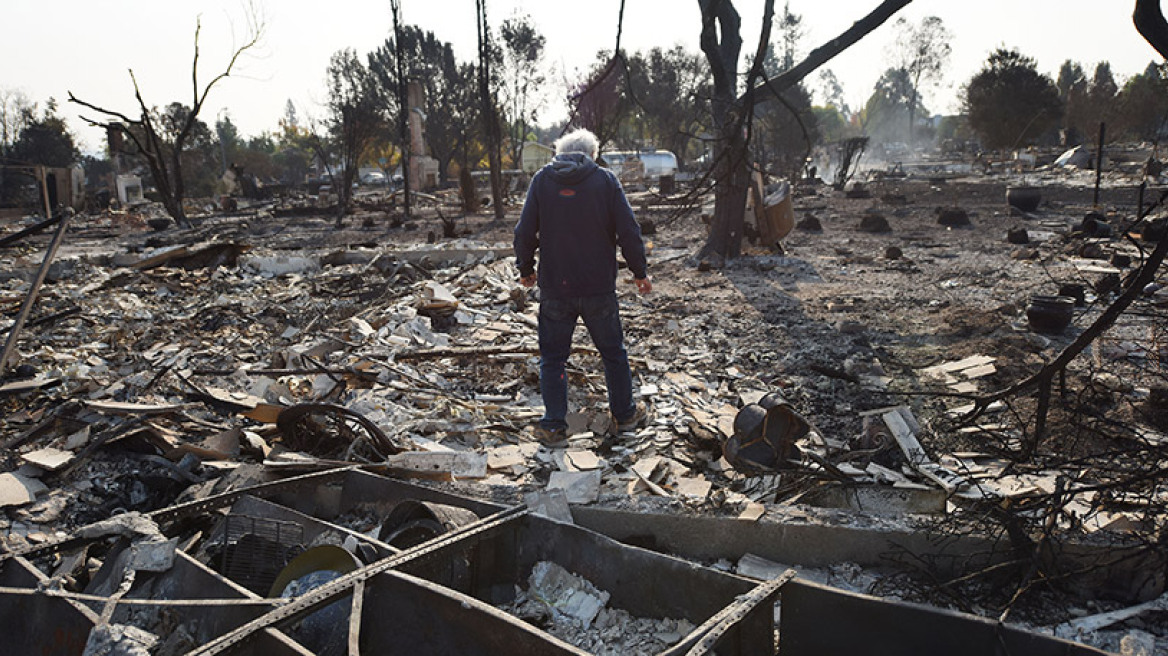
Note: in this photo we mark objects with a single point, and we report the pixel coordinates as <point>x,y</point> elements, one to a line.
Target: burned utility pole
<point>403,105</point>
<point>490,113</point>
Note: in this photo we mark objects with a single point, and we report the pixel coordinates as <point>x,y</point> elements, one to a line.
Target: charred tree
<point>162,148</point>
<point>732,168</point>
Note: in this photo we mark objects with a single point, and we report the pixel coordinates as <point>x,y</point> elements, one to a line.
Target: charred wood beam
<point>31,230</point>
<point>286,372</point>
<point>833,372</point>
<point>50,318</point>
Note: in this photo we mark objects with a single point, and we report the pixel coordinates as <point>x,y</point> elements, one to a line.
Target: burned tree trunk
<point>732,168</point>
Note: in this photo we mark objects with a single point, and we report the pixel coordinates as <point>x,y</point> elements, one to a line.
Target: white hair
<point>578,141</point>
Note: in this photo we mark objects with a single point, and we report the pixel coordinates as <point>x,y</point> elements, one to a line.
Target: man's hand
<point>527,281</point>
<point>643,285</point>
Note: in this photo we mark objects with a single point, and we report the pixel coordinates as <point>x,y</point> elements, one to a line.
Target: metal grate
<point>256,549</point>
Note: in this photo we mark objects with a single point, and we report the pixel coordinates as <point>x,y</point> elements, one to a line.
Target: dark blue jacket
<point>576,214</point>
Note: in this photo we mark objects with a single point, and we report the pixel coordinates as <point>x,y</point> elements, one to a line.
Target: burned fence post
<point>30,299</point>
<point>1099,161</point>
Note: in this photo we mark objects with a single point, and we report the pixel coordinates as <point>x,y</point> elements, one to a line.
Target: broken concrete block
<point>437,296</point>
<point>17,490</point>
<point>581,460</point>
<point>49,459</point>
<point>757,567</point>
<point>505,457</point>
<point>450,464</point>
<point>152,554</point>
<point>552,504</point>
<point>752,512</point>
<point>697,488</point>
<point>645,467</point>
<point>565,593</point>
<point>578,487</point>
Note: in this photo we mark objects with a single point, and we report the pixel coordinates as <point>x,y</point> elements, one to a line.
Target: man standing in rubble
<point>576,214</point>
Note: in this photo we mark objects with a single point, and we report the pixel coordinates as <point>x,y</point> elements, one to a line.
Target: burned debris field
<point>199,410</point>
<point>898,377</point>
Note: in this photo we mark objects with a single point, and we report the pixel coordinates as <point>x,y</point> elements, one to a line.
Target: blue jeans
<point>557,322</point>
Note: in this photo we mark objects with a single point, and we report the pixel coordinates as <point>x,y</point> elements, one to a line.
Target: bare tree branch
<point>828,51</point>
<point>165,157</point>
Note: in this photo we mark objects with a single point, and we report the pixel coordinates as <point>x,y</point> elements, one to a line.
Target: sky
<point>88,47</point>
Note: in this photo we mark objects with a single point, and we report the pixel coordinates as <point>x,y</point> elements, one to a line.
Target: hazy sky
<point>87,47</point>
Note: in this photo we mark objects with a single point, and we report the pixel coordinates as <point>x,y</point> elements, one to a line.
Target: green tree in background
<point>886,115</point>
<point>922,53</point>
<point>1009,103</point>
<point>668,86</point>
<point>356,119</point>
<point>521,76</point>
<point>1072,88</point>
<point>45,140</point>
<point>447,85</point>
<point>1143,104</point>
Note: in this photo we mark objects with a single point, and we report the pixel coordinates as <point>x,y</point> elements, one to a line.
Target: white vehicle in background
<point>656,163</point>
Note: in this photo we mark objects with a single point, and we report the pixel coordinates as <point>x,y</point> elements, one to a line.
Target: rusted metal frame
<point>330,591</point>
<point>173,603</point>
<point>184,510</point>
<point>30,298</point>
<point>355,619</point>
<point>111,603</point>
<point>714,628</point>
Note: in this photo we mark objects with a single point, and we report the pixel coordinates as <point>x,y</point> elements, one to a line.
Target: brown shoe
<point>552,438</point>
<point>640,418</point>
